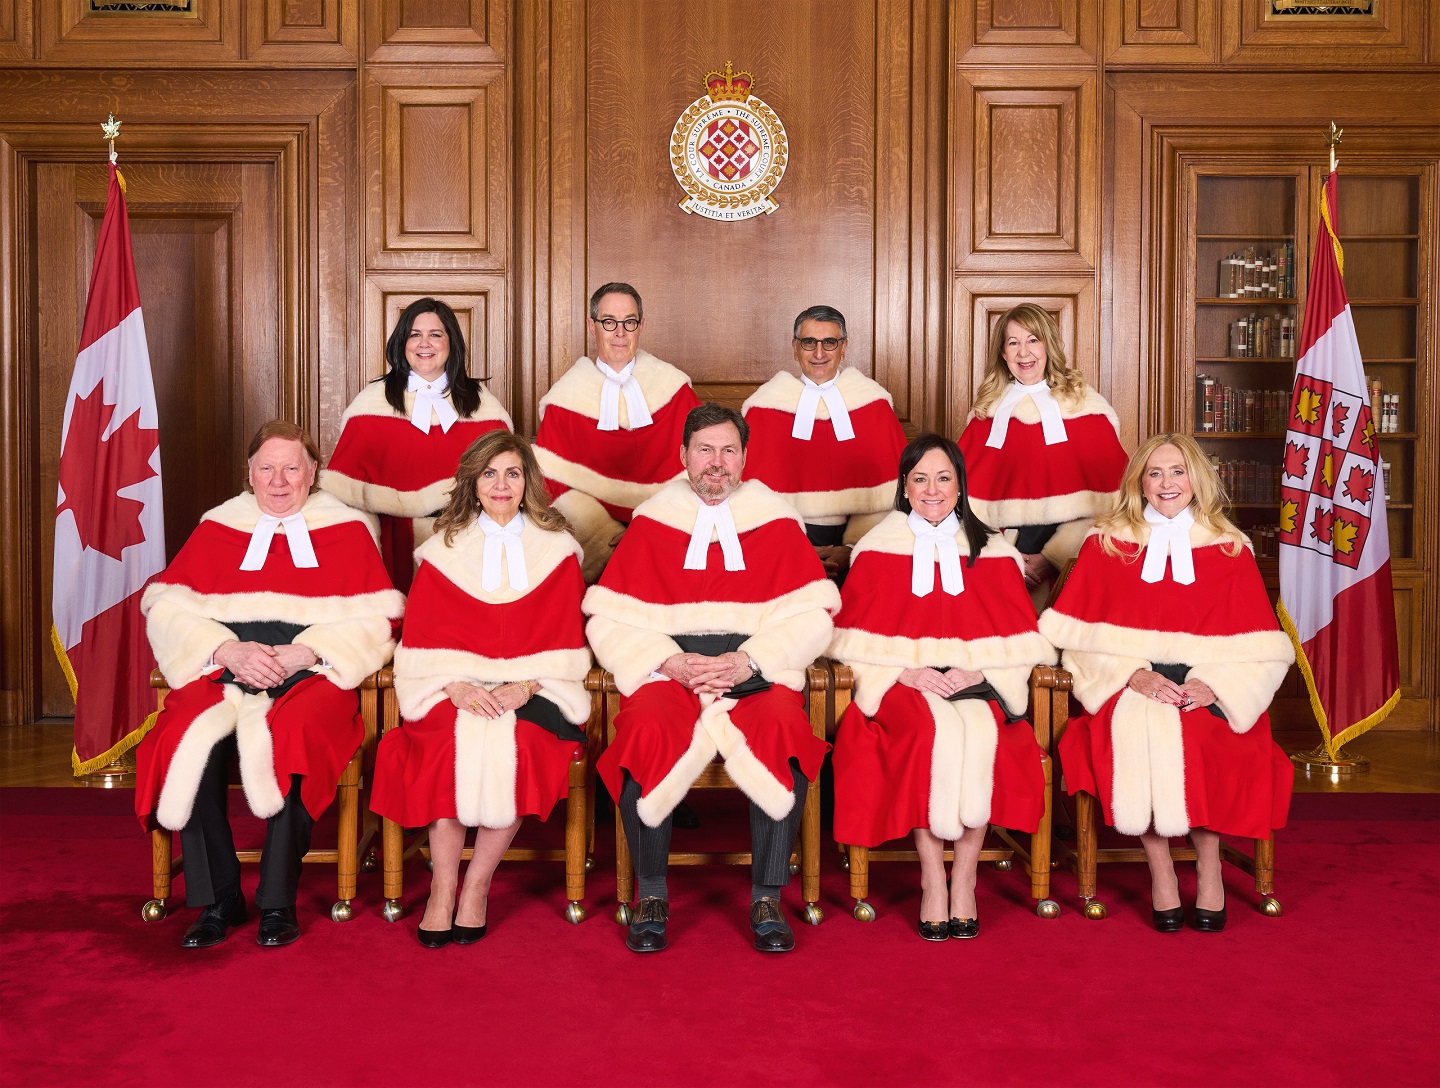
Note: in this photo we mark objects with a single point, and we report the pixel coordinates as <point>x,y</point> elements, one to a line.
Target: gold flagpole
<point>122,767</point>
<point>1320,760</point>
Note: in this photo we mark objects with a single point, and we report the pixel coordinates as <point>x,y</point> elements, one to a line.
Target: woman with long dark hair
<point>402,437</point>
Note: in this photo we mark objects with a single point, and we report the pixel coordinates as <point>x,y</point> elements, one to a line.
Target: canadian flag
<point>1335,595</point>
<point>109,522</point>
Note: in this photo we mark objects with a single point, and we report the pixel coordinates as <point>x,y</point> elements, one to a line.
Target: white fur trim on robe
<point>578,389</point>
<point>1148,779</point>
<point>782,393</point>
<point>962,765</point>
<point>486,762</point>
<point>594,530</point>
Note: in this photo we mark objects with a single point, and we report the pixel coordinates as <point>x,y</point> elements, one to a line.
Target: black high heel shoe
<point>934,931</point>
<point>1209,921</point>
<point>435,938</point>
<point>962,929</point>
<point>1168,921</point>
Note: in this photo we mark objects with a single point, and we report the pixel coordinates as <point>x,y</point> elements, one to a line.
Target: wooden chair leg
<point>1039,865</point>
<point>348,859</point>
<point>1086,843</point>
<point>392,849</point>
<point>576,834</point>
<point>810,855</point>
<point>860,883</point>
<point>160,873</point>
<point>624,874</point>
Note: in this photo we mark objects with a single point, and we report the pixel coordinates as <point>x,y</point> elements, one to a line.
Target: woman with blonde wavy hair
<point>490,676</point>
<point>1176,653</point>
<point>1043,448</point>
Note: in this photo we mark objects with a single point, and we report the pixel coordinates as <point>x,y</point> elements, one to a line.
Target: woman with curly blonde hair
<point>1176,653</point>
<point>1043,448</point>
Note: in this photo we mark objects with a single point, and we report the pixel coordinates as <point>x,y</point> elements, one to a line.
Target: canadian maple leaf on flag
<point>106,520</point>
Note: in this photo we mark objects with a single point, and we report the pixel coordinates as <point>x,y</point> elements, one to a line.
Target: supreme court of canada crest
<point>728,150</point>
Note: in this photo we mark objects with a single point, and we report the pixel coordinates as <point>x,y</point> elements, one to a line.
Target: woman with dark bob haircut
<point>402,437</point>
<point>937,626</point>
<point>490,677</point>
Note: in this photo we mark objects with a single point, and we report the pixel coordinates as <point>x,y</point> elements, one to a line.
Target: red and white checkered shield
<point>728,148</point>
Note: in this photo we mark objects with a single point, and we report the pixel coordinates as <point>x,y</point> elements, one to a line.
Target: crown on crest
<point>729,85</point>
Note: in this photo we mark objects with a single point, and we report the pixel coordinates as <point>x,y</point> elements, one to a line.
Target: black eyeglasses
<point>830,343</point>
<point>609,323</point>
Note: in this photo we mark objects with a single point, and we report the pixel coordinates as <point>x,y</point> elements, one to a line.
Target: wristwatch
<point>754,668</point>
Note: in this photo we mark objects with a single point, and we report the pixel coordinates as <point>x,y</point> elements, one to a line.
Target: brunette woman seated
<point>1176,653</point>
<point>490,678</point>
<point>935,741</point>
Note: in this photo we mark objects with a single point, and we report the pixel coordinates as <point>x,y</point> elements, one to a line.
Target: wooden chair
<point>357,826</point>
<point>805,859</point>
<point>1034,854</point>
<point>1078,820</point>
<point>579,849</point>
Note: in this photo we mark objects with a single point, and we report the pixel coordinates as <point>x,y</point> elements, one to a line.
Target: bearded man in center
<point>708,614</point>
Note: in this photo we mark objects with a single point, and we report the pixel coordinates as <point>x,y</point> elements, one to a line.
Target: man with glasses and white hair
<point>828,440</point>
<point>610,427</point>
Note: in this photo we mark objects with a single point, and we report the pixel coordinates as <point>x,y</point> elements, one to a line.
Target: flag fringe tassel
<point>1332,744</point>
<point>89,766</point>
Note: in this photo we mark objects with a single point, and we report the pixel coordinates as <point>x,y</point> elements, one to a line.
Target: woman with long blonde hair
<point>1043,448</point>
<point>1176,653</point>
<point>490,678</point>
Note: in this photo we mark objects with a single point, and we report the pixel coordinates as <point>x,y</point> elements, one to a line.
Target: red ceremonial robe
<point>827,480</point>
<point>348,608</point>
<point>1026,482</point>
<point>383,463</point>
<point>1150,763</point>
<point>905,758</point>
<point>782,602</point>
<point>446,763</point>
<point>596,477</point>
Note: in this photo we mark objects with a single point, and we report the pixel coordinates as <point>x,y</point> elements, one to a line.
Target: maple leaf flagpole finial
<point>110,130</point>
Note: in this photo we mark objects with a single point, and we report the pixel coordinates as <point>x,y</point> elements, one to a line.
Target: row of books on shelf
<point>1265,538</point>
<point>1220,407</point>
<point>1252,274</point>
<point>1262,337</point>
<point>1248,481</point>
<point>1384,408</point>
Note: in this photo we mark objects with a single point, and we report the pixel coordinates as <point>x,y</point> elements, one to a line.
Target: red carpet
<point>1341,990</point>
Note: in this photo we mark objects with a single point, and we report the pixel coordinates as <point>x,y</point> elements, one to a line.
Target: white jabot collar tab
<point>616,383</point>
<point>1050,420</point>
<point>935,544</point>
<point>1168,537</point>
<point>507,538</point>
<point>811,395</point>
<point>430,397</point>
<point>297,535</point>
<point>712,521</point>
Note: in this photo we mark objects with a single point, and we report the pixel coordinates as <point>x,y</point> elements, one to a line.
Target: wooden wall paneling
<point>441,31</point>
<point>1026,171</point>
<point>480,302</point>
<point>70,35</point>
<point>1041,32</point>
<point>17,31</point>
<point>437,160</point>
<point>977,302</point>
<point>1393,34</point>
<point>1161,32</point>
<point>305,33</point>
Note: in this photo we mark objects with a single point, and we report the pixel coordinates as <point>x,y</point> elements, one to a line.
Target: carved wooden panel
<point>1393,33</point>
<point>70,34</point>
<point>436,31</point>
<point>978,301</point>
<point>1024,175</point>
<point>1026,32</point>
<point>1162,32</point>
<point>306,33</point>
<point>17,31</point>
<point>436,152</point>
<point>480,303</point>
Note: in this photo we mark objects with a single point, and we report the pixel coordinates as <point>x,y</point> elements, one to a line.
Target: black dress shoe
<point>435,938</point>
<point>468,934</point>
<point>934,931</point>
<point>209,929</point>
<point>278,927</point>
<point>647,929</point>
<point>962,929</point>
<point>1168,921</point>
<point>772,932</point>
<point>1209,921</point>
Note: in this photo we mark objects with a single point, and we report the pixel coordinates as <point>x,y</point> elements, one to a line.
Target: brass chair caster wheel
<point>1269,906</point>
<point>622,914</point>
<point>342,911</point>
<point>589,864</point>
<point>863,911</point>
<point>370,864</point>
<point>1004,865</point>
<point>1095,909</point>
<point>845,861</point>
<point>794,868</point>
<point>391,910</point>
<point>153,911</point>
<point>575,913</point>
<point>1047,908</point>
<point>813,914</point>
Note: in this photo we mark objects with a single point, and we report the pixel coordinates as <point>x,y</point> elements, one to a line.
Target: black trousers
<point>771,840</point>
<point>212,871</point>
